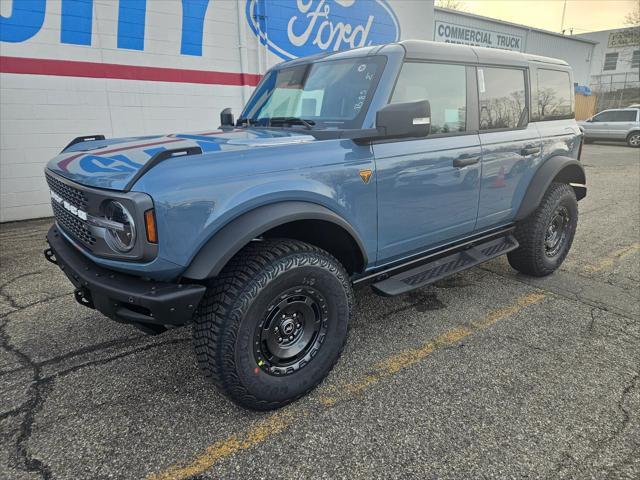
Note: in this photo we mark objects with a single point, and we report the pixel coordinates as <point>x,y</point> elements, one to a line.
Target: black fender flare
<point>231,238</point>
<point>560,169</point>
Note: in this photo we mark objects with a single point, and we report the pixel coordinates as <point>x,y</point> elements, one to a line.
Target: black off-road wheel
<point>546,236</point>
<point>273,323</point>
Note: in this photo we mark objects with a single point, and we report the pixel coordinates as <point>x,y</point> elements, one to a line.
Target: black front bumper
<point>122,297</point>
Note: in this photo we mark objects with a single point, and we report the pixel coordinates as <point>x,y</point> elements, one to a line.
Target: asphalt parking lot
<point>489,374</point>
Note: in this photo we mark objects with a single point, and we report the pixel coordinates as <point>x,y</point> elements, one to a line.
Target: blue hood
<point>113,163</point>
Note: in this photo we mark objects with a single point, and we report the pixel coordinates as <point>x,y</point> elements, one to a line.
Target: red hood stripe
<point>62,164</point>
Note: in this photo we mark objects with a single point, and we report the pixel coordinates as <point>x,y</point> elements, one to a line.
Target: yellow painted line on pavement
<point>272,425</point>
<point>281,420</point>
<point>409,357</point>
<point>615,256</point>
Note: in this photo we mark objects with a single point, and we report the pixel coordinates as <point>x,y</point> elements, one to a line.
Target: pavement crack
<point>19,308</point>
<point>12,413</point>
<point>9,298</point>
<point>519,341</point>
<point>95,348</point>
<point>573,296</point>
<point>36,394</point>
<point>118,356</point>
<point>625,414</point>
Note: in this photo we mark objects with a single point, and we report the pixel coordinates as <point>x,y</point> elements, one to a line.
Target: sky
<point>581,15</point>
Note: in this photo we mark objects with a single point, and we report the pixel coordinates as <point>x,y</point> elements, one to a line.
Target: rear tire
<point>273,323</point>
<point>546,236</point>
<point>633,139</point>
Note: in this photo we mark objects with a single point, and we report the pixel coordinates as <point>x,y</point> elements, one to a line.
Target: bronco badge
<point>365,175</point>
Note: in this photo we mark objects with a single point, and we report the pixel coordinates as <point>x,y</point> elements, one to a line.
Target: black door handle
<point>464,161</point>
<point>529,151</point>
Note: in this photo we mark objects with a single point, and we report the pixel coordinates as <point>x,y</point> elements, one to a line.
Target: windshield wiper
<point>308,124</point>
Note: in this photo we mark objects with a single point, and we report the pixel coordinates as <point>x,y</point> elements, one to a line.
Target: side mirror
<point>226,118</point>
<point>409,119</point>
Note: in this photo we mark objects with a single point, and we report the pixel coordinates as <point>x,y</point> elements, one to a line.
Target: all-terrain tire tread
<point>527,258</point>
<point>219,314</point>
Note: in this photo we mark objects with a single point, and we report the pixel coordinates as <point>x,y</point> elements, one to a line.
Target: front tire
<point>274,323</point>
<point>545,237</point>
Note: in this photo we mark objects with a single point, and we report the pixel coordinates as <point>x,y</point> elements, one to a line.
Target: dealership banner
<point>452,33</point>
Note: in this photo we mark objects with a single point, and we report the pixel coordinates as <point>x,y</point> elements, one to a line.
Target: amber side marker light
<point>150,224</point>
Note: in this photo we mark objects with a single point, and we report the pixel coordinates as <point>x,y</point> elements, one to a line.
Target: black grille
<point>73,225</point>
<point>72,195</point>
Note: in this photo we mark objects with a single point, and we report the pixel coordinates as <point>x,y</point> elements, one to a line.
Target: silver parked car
<point>616,124</point>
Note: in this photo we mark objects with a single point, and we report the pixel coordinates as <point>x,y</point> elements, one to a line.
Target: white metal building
<point>134,67</point>
<point>615,68</point>
<point>469,29</point>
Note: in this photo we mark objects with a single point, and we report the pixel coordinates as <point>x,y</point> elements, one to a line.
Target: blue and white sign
<point>452,33</point>
<point>293,29</point>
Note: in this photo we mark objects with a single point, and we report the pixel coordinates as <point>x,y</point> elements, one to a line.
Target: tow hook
<point>83,297</point>
<point>50,256</point>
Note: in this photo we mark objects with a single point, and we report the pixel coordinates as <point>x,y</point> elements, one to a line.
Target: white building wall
<point>576,52</point>
<point>40,113</point>
<point>625,53</point>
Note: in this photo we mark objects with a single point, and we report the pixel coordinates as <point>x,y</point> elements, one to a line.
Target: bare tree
<point>450,4</point>
<point>633,17</point>
<point>546,99</point>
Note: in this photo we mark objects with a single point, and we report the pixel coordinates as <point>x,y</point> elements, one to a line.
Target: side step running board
<point>445,266</point>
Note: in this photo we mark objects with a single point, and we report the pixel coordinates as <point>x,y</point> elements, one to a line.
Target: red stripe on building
<point>71,68</point>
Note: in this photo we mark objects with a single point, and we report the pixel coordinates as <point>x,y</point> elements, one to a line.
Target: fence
<point>585,106</point>
<point>616,91</point>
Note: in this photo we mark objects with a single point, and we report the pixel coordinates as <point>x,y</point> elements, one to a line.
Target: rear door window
<point>554,95</point>
<point>445,86</point>
<point>503,103</point>
<point>623,116</point>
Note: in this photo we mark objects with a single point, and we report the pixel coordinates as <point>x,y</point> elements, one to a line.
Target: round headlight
<point>122,235</point>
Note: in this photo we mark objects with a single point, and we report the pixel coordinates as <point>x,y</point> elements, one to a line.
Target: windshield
<point>323,94</point>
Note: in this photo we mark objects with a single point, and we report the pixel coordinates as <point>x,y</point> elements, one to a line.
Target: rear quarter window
<point>624,116</point>
<point>555,95</point>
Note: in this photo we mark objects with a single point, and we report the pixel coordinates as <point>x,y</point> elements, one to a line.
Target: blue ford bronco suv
<point>393,165</point>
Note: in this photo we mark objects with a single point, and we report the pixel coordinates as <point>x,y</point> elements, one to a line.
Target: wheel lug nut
<point>279,339</point>
<point>291,337</point>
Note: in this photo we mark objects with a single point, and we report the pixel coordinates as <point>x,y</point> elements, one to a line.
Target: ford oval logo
<point>304,27</point>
